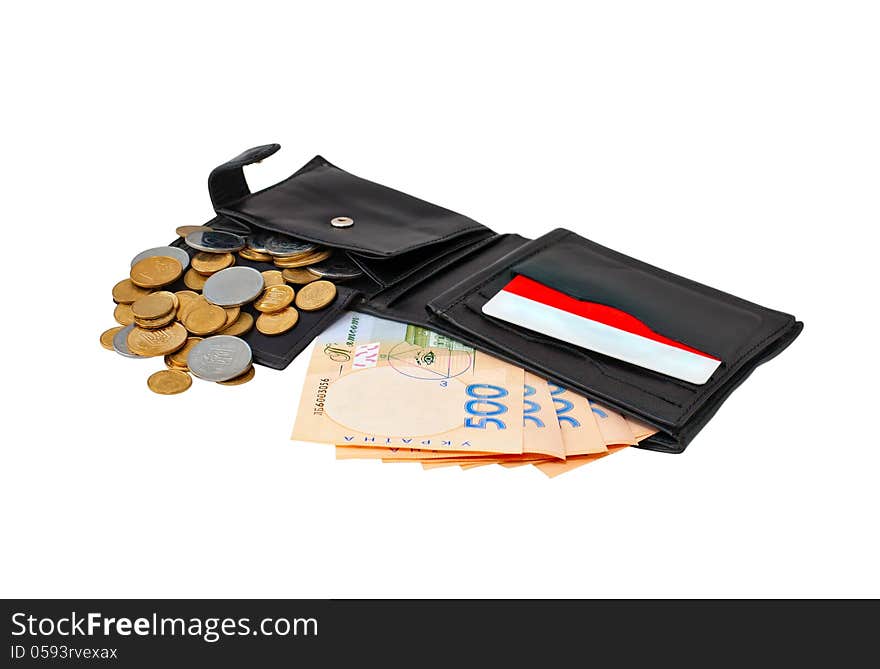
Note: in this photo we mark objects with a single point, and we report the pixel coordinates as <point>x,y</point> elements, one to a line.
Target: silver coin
<point>231,225</point>
<point>219,358</point>
<point>170,251</point>
<point>336,268</point>
<point>233,286</point>
<point>256,241</point>
<point>215,241</point>
<point>283,246</point>
<point>120,343</point>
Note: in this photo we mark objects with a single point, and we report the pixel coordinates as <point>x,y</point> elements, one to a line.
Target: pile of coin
<point>198,330</point>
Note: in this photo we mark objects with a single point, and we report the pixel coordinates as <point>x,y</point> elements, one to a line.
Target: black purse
<point>429,266</point>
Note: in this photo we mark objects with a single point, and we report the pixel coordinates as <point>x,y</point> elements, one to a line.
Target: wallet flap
<point>377,221</point>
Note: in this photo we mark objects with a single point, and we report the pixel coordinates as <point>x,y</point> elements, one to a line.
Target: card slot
<point>391,271</point>
<point>597,360</point>
<point>694,315</point>
<point>434,271</point>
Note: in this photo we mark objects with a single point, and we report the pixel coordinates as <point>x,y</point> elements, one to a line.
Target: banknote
<point>378,383</point>
<point>580,432</point>
<point>613,427</point>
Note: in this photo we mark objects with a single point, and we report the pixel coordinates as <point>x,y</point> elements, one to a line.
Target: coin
<point>168,251</point>
<point>283,246</point>
<point>204,319</point>
<point>272,277</point>
<point>233,286</point>
<point>298,275</point>
<point>155,323</point>
<point>278,322</point>
<point>215,241</point>
<point>122,314</point>
<point>256,241</point>
<point>155,271</point>
<point>154,305</point>
<point>184,230</point>
<point>107,337</point>
<point>315,295</point>
<point>125,292</point>
<point>185,298</point>
<point>219,358</point>
<point>169,382</point>
<point>177,360</point>
<point>208,263</point>
<point>120,342</point>
<point>156,342</point>
<point>194,280</point>
<point>238,380</point>
<point>274,298</point>
<point>232,314</point>
<point>337,268</point>
<point>241,326</point>
<point>253,256</point>
<point>303,261</point>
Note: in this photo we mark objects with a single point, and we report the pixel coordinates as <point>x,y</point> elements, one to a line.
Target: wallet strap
<point>227,184</point>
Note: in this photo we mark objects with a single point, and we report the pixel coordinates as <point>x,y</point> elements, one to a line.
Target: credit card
<point>597,327</point>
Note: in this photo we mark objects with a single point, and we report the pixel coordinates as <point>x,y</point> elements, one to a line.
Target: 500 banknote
<point>378,383</point>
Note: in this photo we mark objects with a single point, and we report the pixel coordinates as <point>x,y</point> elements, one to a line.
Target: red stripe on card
<point>600,313</point>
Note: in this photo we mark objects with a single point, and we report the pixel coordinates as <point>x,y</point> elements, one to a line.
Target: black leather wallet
<point>429,266</point>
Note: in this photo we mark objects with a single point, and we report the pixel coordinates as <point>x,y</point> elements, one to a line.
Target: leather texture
<point>426,265</point>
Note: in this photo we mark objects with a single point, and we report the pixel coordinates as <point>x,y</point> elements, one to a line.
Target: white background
<point>733,143</point>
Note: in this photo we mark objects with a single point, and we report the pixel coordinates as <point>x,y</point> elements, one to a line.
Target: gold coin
<point>184,298</point>
<point>125,292</point>
<point>154,305</point>
<point>208,263</point>
<point>302,261</point>
<point>194,280</point>
<point>298,275</point>
<point>277,322</point>
<point>205,319</point>
<point>177,360</point>
<point>272,277</point>
<point>156,271</point>
<point>238,380</point>
<point>156,342</point>
<point>274,298</point>
<point>255,256</point>
<point>184,230</point>
<point>241,326</point>
<point>315,295</point>
<point>232,314</point>
<point>154,323</point>
<point>122,314</point>
<point>169,382</point>
<point>107,337</point>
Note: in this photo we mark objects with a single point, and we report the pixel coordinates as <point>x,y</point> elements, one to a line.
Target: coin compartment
<point>387,222</point>
<point>278,351</point>
<point>742,334</point>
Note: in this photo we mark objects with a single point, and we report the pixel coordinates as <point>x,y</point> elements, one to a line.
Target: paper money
<point>580,433</point>
<point>379,383</point>
<point>399,393</point>
<point>612,426</point>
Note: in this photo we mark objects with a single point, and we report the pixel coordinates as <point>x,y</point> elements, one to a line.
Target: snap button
<point>342,222</point>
